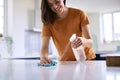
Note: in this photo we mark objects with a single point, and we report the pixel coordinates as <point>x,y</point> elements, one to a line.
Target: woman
<point>60,22</point>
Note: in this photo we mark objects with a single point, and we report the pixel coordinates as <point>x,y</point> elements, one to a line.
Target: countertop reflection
<point>65,70</point>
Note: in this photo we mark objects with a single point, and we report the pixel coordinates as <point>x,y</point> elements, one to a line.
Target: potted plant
<point>1,35</point>
<point>9,43</point>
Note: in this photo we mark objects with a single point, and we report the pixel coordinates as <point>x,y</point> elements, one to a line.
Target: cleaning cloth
<point>53,63</point>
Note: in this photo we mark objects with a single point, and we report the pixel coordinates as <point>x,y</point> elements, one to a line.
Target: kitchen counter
<point>65,70</point>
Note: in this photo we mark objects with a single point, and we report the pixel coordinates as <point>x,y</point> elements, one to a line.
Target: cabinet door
<point>32,43</point>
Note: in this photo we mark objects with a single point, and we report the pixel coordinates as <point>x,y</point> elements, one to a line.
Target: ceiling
<point>95,5</point>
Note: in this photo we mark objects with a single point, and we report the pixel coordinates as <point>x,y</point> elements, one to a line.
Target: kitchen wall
<point>23,15</point>
<point>19,17</point>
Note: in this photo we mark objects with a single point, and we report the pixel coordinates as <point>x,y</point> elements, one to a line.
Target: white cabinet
<point>33,44</point>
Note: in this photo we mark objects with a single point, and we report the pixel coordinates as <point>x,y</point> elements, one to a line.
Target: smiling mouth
<point>58,10</point>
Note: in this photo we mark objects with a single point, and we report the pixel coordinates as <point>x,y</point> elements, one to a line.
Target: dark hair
<point>47,15</point>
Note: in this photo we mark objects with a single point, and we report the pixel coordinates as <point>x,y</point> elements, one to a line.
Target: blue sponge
<point>53,63</point>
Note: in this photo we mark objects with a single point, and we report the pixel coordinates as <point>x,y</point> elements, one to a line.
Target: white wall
<point>94,28</point>
<point>20,17</point>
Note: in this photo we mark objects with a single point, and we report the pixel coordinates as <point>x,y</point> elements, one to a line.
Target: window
<point>1,16</point>
<point>111,25</point>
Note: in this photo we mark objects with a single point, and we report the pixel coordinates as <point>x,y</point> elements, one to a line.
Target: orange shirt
<point>61,31</point>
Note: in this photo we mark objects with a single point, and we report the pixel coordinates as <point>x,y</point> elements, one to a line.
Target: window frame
<point>113,33</point>
<point>2,18</point>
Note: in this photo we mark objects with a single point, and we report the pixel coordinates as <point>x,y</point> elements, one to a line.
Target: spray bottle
<point>79,51</point>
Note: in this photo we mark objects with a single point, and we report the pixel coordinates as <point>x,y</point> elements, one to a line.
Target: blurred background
<point>20,26</point>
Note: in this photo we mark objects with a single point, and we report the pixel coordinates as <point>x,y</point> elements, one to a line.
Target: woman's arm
<point>44,51</point>
<point>87,41</point>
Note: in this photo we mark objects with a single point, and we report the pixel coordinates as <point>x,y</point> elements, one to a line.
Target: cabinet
<point>33,43</point>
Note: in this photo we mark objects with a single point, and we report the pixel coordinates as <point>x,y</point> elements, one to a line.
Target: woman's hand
<point>44,60</point>
<point>78,42</point>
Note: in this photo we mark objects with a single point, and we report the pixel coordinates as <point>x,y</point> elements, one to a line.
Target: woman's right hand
<point>44,60</point>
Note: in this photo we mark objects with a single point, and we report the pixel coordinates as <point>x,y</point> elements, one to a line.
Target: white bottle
<point>78,52</point>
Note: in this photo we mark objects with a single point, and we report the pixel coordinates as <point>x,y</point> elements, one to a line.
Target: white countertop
<point>111,54</point>
<point>28,70</point>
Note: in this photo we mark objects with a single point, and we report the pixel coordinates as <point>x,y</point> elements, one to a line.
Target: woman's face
<point>57,6</point>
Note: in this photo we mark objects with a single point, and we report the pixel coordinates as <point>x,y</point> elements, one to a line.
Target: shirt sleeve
<point>46,30</point>
<point>83,19</point>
